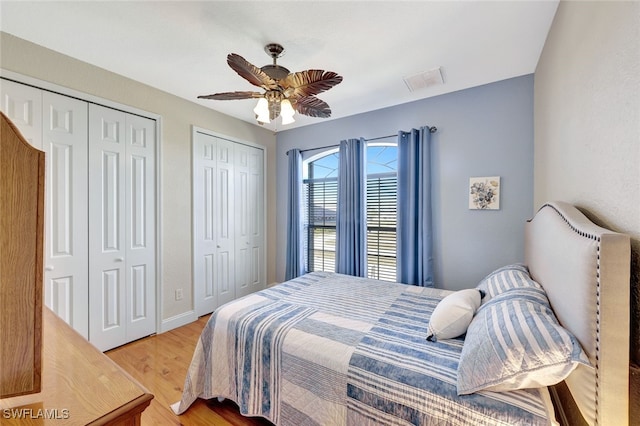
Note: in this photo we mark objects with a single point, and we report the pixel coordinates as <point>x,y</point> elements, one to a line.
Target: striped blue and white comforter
<point>330,349</point>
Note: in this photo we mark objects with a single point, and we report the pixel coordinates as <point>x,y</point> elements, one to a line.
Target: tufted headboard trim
<point>585,270</point>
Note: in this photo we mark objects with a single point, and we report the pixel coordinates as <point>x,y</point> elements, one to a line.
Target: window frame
<point>381,229</point>
<point>309,228</point>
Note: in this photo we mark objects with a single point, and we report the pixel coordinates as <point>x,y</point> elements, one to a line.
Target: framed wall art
<point>484,193</point>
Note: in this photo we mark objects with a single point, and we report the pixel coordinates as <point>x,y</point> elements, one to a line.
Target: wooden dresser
<point>80,385</point>
<point>22,169</point>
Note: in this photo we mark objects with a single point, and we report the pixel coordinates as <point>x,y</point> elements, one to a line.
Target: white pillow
<point>452,315</point>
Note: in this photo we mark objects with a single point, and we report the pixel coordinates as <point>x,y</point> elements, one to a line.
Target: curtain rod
<point>432,129</point>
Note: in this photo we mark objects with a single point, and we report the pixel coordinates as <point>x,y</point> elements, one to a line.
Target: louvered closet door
<point>65,132</point>
<point>23,105</point>
<point>225,222</point>
<point>249,211</point>
<point>204,222</point>
<point>121,227</point>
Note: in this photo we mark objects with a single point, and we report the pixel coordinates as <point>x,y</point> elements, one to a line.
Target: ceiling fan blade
<point>309,82</point>
<point>250,72</point>
<point>312,106</point>
<point>226,96</point>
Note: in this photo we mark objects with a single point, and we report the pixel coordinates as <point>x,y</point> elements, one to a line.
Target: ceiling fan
<point>285,92</point>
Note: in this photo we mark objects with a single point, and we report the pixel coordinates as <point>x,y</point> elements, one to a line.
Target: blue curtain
<point>351,226</point>
<point>295,265</point>
<point>414,249</point>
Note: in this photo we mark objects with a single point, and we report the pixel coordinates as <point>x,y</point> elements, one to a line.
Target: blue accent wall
<point>482,131</point>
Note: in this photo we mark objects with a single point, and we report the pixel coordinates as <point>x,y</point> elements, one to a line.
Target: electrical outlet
<point>178,294</point>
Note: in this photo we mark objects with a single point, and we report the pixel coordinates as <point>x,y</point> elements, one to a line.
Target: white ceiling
<point>181,47</point>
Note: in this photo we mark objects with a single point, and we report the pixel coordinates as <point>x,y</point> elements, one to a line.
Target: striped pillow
<point>516,342</point>
<point>504,279</point>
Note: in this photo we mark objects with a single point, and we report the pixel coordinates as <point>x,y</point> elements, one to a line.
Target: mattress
<point>331,349</point>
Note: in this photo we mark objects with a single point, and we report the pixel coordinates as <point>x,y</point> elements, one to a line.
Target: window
<point>382,218</point>
<point>321,205</point>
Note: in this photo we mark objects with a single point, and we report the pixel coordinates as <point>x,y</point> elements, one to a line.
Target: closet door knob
<point>218,246</point>
<point>119,259</point>
<point>48,268</point>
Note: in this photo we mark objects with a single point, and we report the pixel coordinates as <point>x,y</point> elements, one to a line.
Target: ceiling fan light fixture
<point>287,112</point>
<point>262,110</point>
<point>281,88</point>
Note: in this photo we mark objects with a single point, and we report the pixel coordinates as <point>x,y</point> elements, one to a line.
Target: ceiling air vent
<point>424,79</point>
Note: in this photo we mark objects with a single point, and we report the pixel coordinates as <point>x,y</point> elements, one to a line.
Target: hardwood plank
<point>160,363</point>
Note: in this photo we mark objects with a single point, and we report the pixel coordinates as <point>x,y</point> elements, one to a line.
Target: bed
<point>330,349</point>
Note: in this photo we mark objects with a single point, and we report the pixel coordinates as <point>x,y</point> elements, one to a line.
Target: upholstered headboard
<point>585,270</point>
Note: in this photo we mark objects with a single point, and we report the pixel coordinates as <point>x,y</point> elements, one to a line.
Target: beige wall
<point>178,115</point>
<point>587,120</point>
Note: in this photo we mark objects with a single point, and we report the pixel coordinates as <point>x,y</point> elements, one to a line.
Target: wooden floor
<point>160,363</point>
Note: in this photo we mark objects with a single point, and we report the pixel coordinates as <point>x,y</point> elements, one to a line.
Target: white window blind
<point>382,221</point>
<point>321,205</point>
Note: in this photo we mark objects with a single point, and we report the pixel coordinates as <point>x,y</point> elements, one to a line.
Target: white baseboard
<point>178,321</point>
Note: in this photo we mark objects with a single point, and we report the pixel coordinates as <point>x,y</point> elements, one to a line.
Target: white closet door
<point>228,217</point>
<point>107,247</point>
<point>140,227</point>
<point>57,125</point>
<point>100,211</point>
<point>23,105</point>
<point>121,227</point>
<point>66,287</point>
<point>225,222</point>
<point>204,222</point>
<point>249,214</point>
